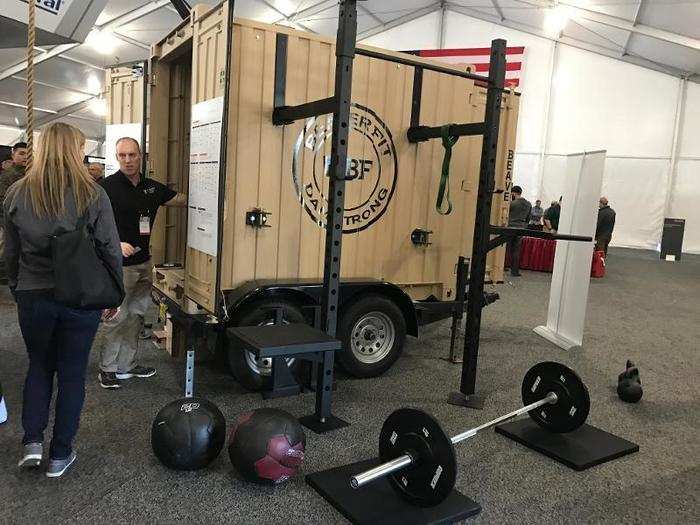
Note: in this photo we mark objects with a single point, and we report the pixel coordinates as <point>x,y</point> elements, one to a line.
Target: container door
<point>209,74</point>
<point>125,96</point>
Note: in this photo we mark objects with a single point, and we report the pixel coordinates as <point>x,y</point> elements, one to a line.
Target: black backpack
<point>83,280</point>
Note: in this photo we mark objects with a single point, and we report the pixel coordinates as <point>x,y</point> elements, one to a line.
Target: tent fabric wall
<point>575,100</point>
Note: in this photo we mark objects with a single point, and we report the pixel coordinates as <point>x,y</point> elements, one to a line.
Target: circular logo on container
<point>372,168</point>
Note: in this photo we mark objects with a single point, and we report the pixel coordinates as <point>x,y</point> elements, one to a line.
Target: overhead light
<point>98,106</point>
<point>555,19</point>
<point>103,42</point>
<point>94,85</point>
<point>17,121</point>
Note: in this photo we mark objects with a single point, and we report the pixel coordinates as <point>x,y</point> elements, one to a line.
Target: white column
<point>568,295</point>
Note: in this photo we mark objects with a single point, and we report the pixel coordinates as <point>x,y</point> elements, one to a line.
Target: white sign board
<point>113,133</point>
<point>568,296</point>
<point>205,152</point>
<point>71,19</point>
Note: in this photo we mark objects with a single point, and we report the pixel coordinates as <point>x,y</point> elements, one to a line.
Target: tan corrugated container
<point>281,168</point>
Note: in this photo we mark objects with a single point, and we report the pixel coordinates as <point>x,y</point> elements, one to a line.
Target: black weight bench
<point>299,341</point>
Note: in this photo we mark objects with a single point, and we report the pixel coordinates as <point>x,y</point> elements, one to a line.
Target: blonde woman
<point>54,194</point>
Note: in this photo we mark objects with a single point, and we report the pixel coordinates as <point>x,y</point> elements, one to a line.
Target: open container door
<point>211,35</point>
<point>169,140</point>
<point>126,110</point>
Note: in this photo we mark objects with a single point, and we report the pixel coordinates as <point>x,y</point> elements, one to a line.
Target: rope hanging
<point>31,41</point>
<point>444,191</point>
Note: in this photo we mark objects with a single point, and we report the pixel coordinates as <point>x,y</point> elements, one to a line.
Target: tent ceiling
<point>660,34</point>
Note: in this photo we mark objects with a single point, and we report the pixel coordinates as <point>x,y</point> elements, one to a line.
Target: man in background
<point>135,200</point>
<point>518,217</point>
<point>96,171</point>
<point>7,178</point>
<point>536,215</point>
<point>606,225</point>
<point>551,217</point>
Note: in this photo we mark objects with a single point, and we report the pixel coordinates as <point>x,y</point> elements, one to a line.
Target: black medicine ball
<point>267,446</point>
<point>188,434</point>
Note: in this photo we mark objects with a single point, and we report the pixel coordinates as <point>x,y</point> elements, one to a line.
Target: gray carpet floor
<point>645,310</point>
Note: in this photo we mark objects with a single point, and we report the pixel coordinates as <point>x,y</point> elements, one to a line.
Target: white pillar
<point>568,296</point>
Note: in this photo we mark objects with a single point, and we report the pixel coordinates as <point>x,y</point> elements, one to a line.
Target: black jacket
<point>606,222</point>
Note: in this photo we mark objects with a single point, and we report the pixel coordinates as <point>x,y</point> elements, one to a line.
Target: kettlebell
<point>629,386</point>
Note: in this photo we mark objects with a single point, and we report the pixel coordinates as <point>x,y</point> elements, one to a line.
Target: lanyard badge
<point>145,225</point>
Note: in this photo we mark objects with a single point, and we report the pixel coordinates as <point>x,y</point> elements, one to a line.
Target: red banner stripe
<point>468,51</point>
<point>510,66</point>
<point>512,82</point>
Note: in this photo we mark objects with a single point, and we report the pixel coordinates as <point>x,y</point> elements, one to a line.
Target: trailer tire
<point>373,332</point>
<point>251,373</point>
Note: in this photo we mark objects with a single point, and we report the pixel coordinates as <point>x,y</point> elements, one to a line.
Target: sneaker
<point>515,274</point>
<point>57,467</point>
<point>137,371</point>
<point>31,455</point>
<point>109,380</point>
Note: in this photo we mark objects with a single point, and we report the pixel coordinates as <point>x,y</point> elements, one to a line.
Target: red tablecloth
<point>538,255</point>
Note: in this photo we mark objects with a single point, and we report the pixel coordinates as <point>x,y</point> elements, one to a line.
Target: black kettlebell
<point>629,386</point>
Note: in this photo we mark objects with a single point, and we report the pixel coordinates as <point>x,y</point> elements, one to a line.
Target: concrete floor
<point>645,310</point>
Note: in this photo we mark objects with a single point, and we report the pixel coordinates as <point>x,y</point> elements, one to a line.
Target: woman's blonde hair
<point>58,166</point>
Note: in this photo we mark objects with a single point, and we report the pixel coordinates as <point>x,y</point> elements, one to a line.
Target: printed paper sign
<point>205,150</point>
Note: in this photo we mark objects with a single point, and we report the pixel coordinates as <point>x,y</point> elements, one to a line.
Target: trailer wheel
<point>373,331</point>
<point>256,374</point>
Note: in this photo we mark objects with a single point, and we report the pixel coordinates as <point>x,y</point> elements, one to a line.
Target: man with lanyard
<point>135,201</point>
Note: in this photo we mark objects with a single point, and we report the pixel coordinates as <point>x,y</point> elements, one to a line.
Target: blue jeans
<point>58,341</point>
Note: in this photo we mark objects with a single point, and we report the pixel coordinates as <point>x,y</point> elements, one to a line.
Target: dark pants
<point>514,250</point>
<point>58,341</point>
<point>601,243</point>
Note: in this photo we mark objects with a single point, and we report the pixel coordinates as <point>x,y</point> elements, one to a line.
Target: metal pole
<point>549,399</point>
<point>405,460</point>
<point>345,54</point>
<point>482,220</point>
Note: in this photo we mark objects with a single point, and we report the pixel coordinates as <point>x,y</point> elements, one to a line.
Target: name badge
<point>145,225</point>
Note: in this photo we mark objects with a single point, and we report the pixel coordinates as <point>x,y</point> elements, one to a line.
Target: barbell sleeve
<point>396,464</point>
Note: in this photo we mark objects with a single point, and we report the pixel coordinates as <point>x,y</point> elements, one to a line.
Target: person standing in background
<point>55,194</point>
<point>536,214</point>
<point>551,217</point>
<point>96,171</point>
<point>606,225</point>
<point>135,200</point>
<point>7,178</point>
<point>518,217</point>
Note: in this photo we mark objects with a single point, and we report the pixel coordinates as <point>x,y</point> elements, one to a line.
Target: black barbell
<point>419,458</point>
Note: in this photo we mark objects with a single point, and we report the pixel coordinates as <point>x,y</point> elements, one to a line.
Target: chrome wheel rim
<point>372,337</point>
<point>263,366</point>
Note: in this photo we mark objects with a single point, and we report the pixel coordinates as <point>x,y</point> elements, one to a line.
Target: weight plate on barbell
<point>573,402</point>
<point>431,477</point>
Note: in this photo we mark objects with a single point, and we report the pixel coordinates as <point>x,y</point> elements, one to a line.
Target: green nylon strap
<point>444,191</point>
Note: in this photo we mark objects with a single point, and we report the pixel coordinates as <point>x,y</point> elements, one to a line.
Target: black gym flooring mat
<point>378,503</point>
<point>581,449</point>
